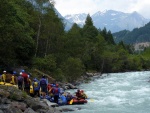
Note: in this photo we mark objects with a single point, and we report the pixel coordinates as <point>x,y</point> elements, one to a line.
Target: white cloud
<point>92,6</point>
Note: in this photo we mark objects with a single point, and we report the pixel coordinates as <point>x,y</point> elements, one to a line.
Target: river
<point>117,93</point>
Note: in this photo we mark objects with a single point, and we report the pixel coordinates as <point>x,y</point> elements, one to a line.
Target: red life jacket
<point>56,91</point>
<point>49,87</point>
<point>78,94</point>
<point>25,76</point>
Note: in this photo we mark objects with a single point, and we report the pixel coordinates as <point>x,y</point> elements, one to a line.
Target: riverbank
<point>13,100</point>
<point>86,78</point>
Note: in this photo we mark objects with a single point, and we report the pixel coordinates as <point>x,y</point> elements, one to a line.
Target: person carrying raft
<point>4,76</point>
<point>36,87</point>
<point>20,81</point>
<point>43,85</point>
<point>13,78</point>
<point>27,81</point>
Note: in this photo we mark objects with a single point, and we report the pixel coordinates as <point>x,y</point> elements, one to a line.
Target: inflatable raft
<point>7,84</point>
<point>77,101</point>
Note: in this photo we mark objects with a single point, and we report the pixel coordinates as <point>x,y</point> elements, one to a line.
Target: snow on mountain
<point>76,18</point>
<point>113,20</point>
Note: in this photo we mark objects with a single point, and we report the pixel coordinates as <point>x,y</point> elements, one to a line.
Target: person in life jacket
<point>13,79</point>
<point>50,90</point>
<point>4,76</point>
<point>20,82</point>
<point>24,75</point>
<point>27,85</point>
<point>83,95</point>
<point>27,81</point>
<point>43,86</point>
<point>69,96</point>
<point>78,94</point>
<point>56,93</point>
<point>36,87</point>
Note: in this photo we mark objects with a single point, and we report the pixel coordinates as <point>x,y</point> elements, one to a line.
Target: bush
<point>47,63</point>
<point>72,69</point>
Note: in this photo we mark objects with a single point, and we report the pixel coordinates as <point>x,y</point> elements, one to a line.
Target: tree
<point>74,42</point>
<point>16,35</point>
<point>89,30</point>
<point>72,69</point>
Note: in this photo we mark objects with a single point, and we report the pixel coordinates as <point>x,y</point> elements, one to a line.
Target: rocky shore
<point>13,100</point>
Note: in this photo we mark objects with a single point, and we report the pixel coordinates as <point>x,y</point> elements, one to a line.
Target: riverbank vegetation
<point>32,35</point>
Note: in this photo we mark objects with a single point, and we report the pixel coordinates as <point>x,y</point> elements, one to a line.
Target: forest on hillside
<point>32,35</point>
<point>137,35</point>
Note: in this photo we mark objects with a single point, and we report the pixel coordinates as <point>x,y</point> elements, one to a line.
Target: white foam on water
<point>118,93</point>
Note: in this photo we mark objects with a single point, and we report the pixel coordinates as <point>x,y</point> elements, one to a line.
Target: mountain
<point>113,20</point>
<point>67,23</point>
<point>76,18</point>
<point>137,35</point>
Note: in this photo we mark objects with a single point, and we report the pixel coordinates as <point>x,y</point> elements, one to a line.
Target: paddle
<point>91,100</point>
<point>71,101</point>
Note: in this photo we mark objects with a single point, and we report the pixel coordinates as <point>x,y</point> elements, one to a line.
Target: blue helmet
<point>23,70</point>
<point>34,79</point>
<point>14,72</point>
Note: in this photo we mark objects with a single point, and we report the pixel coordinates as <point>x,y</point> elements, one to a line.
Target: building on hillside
<point>141,46</point>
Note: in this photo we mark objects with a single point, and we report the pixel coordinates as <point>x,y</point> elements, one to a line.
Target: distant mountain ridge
<point>113,20</point>
<point>137,35</point>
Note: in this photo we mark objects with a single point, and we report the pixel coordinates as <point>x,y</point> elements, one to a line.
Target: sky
<point>65,7</point>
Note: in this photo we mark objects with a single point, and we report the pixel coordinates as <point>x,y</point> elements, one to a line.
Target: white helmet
<point>4,71</point>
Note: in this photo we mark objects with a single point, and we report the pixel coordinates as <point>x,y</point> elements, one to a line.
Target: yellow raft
<point>7,84</point>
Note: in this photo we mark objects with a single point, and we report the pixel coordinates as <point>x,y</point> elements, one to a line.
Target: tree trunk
<point>46,47</point>
<point>37,38</point>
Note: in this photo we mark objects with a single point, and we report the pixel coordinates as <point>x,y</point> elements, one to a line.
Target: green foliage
<point>13,96</point>
<point>72,69</point>
<point>16,44</point>
<point>118,36</point>
<point>136,35</point>
<point>107,35</point>
<point>74,44</point>
<point>88,21</point>
<point>24,94</point>
<point>59,75</point>
<point>45,64</point>
<point>89,30</point>
<point>33,35</point>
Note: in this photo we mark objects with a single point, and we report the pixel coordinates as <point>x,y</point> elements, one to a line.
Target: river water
<point>117,93</point>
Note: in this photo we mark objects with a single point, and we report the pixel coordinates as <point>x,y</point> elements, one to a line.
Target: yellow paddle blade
<point>71,101</point>
<point>31,89</point>
<point>91,100</point>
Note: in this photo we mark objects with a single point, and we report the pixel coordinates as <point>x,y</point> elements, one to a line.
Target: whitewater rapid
<point>117,93</point>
